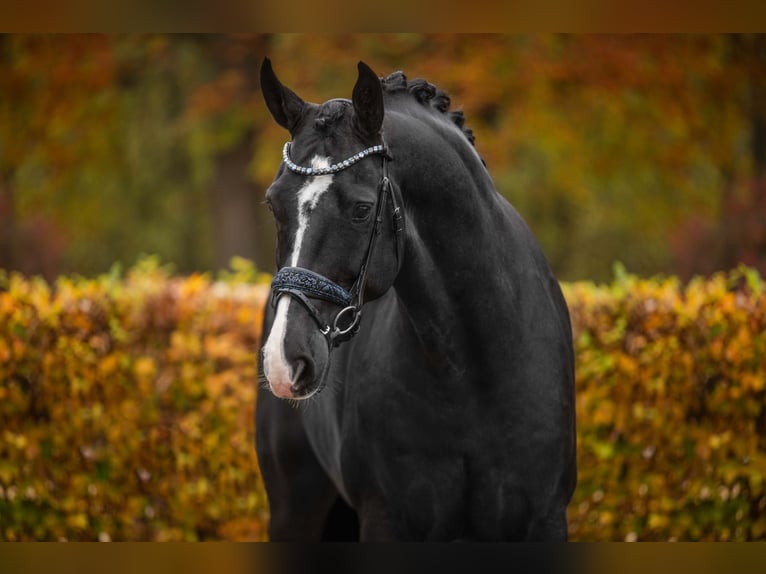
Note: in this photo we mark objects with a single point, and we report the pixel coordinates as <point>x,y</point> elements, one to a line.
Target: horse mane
<point>428,95</point>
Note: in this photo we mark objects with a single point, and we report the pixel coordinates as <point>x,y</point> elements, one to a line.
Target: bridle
<point>303,284</point>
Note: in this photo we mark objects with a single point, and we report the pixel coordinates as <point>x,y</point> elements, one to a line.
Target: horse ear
<point>368,101</point>
<point>285,106</point>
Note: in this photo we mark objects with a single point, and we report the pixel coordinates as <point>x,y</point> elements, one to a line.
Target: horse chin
<point>309,393</point>
<point>302,393</point>
<point>298,392</point>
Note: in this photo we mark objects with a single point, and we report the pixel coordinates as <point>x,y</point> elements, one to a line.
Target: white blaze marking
<point>278,372</point>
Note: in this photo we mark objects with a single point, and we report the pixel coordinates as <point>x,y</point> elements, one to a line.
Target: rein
<point>304,284</point>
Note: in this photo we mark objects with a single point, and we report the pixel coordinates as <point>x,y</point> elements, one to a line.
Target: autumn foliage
<point>126,407</point>
<point>670,402</point>
<point>116,145</point>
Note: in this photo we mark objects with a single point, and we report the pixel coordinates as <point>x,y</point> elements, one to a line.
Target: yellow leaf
<point>78,521</point>
<point>657,521</point>
<point>145,368</point>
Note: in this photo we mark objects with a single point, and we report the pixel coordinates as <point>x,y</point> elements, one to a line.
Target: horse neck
<point>455,228</point>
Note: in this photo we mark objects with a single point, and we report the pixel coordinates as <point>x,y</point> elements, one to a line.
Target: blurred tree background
<point>644,149</point>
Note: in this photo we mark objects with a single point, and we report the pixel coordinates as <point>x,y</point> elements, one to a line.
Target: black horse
<point>448,407</point>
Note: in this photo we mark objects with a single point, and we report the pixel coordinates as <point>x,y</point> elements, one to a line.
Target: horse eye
<point>362,211</point>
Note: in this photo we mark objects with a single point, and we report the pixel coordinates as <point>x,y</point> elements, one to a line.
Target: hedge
<point>670,407</point>
<point>126,407</point>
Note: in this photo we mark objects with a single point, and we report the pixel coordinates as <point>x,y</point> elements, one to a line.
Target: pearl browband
<point>334,168</point>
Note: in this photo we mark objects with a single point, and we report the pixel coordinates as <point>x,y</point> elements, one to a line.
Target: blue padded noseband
<point>312,284</point>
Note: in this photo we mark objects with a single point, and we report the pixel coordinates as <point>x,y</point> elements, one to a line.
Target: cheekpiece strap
<point>334,168</point>
<point>310,283</point>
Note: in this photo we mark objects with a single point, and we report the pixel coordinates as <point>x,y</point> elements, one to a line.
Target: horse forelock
<point>330,113</point>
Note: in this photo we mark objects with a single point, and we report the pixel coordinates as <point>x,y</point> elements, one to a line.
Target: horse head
<point>329,200</point>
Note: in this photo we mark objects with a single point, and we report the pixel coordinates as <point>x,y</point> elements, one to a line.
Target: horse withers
<point>417,349</point>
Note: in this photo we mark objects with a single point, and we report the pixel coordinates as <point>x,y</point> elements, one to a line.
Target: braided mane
<point>428,95</point>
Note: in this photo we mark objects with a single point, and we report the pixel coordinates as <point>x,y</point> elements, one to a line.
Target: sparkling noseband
<point>334,168</point>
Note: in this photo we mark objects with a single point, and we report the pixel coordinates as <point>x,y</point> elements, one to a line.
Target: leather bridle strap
<point>384,190</point>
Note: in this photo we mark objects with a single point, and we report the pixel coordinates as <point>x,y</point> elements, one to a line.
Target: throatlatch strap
<point>312,284</point>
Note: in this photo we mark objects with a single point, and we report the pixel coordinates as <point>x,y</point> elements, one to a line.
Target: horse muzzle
<point>296,354</point>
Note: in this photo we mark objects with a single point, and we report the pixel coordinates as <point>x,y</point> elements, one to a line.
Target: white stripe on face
<point>278,372</point>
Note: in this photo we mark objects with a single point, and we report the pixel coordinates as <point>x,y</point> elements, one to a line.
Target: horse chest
<point>384,432</point>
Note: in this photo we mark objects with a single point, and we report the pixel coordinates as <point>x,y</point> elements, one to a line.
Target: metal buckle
<point>337,331</point>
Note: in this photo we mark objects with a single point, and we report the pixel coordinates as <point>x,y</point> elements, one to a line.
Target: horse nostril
<point>298,367</point>
<point>303,376</point>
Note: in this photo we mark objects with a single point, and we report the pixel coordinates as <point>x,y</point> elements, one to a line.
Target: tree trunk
<point>234,201</point>
<point>7,224</point>
<point>242,224</point>
<point>757,73</point>
<point>7,203</point>
<point>742,231</point>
